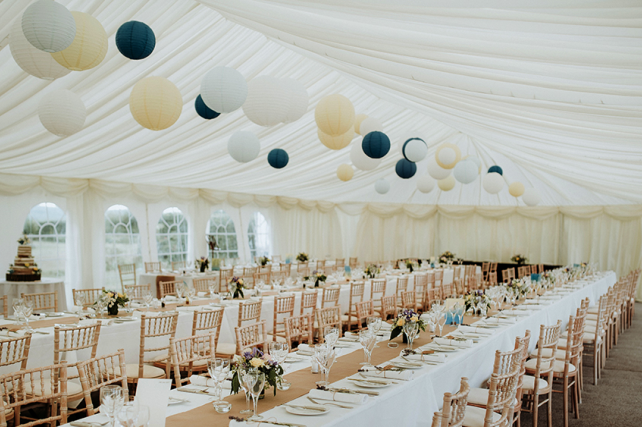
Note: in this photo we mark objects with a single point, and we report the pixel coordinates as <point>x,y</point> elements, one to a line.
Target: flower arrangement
<point>446,256</point>
<point>202,263</point>
<point>409,266</point>
<point>114,300</point>
<point>256,359</point>
<point>263,261</point>
<point>477,300</point>
<point>518,288</point>
<point>519,259</point>
<point>237,285</point>
<point>24,240</point>
<point>371,271</point>
<point>404,317</point>
<point>302,257</point>
<point>317,276</point>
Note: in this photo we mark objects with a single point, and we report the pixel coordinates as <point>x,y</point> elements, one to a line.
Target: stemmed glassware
<point>367,339</point>
<point>147,299</point>
<point>179,290</point>
<point>441,320</point>
<point>255,390</point>
<point>411,329</point>
<point>374,324</point>
<point>331,336</point>
<point>127,416</point>
<point>279,352</point>
<point>80,301</point>
<point>18,308</point>
<point>247,383</point>
<point>26,312</point>
<point>325,356</point>
<point>212,289</point>
<point>218,369</point>
<point>112,399</point>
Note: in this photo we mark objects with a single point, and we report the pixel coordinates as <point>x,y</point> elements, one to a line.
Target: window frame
<point>183,236</point>
<point>60,241</point>
<point>226,253</point>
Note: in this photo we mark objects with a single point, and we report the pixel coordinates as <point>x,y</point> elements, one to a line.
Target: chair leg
<point>535,409</point>
<point>565,401</point>
<point>595,362</point>
<point>550,405</point>
<point>576,401</point>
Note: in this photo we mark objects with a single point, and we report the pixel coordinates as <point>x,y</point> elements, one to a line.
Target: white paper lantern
<point>370,124</point>
<point>48,25</point>
<point>465,171</point>
<point>345,172</point>
<point>475,160</point>
<point>531,196</point>
<point>299,100</point>
<point>359,158</point>
<point>446,184</point>
<point>357,122</point>
<point>425,183</point>
<point>62,112</point>
<point>516,189</point>
<point>448,155</point>
<point>437,171</point>
<point>267,102</point>
<point>382,186</point>
<point>33,61</point>
<point>493,182</point>
<point>415,150</point>
<point>243,146</point>
<point>223,89</point>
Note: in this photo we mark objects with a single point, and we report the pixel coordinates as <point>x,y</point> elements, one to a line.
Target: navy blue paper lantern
<point>203,110</point>
<point>278,158</point>
<point>135,40</point>
<point>405,169</point>
<point>375,144</point>
<point>496,169</point>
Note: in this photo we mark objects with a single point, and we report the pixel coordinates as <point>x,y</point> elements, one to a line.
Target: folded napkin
<point>392,375</point>
<point>515,312</point>
<point>172,298</point>
<point>356,398</point>
<point>202,381</point>
<point>436,357</point>
<point>454,343</point>
<point>201,294</point>
<point>11,334</point>
<point>305,349</point>
<point>474,330</point>
<point>498,321</point>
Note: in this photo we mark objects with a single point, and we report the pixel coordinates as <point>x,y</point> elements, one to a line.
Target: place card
<point>154,393</point>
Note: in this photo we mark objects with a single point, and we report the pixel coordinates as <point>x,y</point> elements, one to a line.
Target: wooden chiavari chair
<point>299,329</point>
<point>448,290</point>
<point>454,409</point>
<point>364,309</point>
<point>98,372</point>
<point>326,318</point>
<point>279,276</point>
<point>168,288</point>
<point>421,288</point>
<point>309,301</point>
<point>250,336</point>
<point>204,284</point>
<point>388,307</point>
<point>320,265</point>
<point>42,301</point>
<point>5,307</point>
<point>264,269</point>
<point>34,386</point>
<point>287,269</point>
<point>127,274</point>
<point>89,296</point>
<point>492,279</point>
<point>508,274</point>
<point>138,292</point>
<point>540,268</point>
<point>439,278</point>
<point>302,269</point>
<point>283,306</point>
<point>593,338</point>
<point>224,276</point>
<point>178,265</point>
<point>330,297</point>
<point>153,267</point>
<point>14,351</point>
<point>263,276</point>
<point>249,311</point>
<point>357,290</point>
<point>534,269</point>
<point>377,291</point>
<point>190,355</point>
<point>408,300</point>
<point>340,263</point>
<point>248,276</point>
<point>353,262</point>
<point>438,420</point>
<point>485,270</point>
<point>402,286</point>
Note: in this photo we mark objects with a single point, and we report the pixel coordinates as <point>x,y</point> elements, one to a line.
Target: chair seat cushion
<point>559,354</point>
<point>587,338</point>
<point>529,384</point>
<point>73,388</point>
<point>593,310</point>
<point>278,338</point>
<point>148,371</point>
<point>475,416</point>
<point>479,396</point>
<point>226,349</point>
<point>558,366</point>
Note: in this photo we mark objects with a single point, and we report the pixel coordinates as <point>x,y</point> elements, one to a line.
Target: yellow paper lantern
<point>345,172</point>
<point>516,189</point>
<point>334,115</point>
<point>357,122</point>
<point>448,155</point>
<point>447,184</point>
<point>89,46</point>
<point>155,103</point>
<point>336,142</point>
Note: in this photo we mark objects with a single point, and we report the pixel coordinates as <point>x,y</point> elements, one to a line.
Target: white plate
<point>368,384</point>
<point>302,411</point>
<point>294,359</point>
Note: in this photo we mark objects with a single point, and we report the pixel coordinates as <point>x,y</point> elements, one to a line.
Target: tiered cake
<point>23,269</point>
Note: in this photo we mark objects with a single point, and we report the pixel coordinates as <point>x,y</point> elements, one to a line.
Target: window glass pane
<point>171,237</point>
<point>222,228</point>
<point>258,235</point>
<point>45,226</point>
<point>122,244</point>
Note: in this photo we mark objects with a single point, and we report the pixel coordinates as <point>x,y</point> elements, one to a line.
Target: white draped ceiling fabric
<point>550,90</point>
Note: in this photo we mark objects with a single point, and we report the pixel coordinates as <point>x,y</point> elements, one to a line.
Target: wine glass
<point>374,324</point>
<point>179,290</point>
<point>218,369</point>
<point>26,312</point>
<point>148,298</point>
<point>212,289</point>
<point>111,400</point>
<point>247,383</point>
<point>81,300</point>
<point>128,415</point>
<point>441,322</point>
<point>367,339</point>
<point>143,416</point>
<point>331,336</point>
<point>410,329</point>
<point>18,306</point>
<point>324,355</point>
<point>255,390</point>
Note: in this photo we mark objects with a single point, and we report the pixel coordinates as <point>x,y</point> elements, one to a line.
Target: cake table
<point>14,289</point>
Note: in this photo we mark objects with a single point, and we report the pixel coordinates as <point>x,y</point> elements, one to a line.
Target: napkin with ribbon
<point>354,398</point>
<point>305,349</point>
<point>454,343</point>
<point>389,374</point>
<point>498,321</point>
<point>172,298</point>
<point>434,357</point>
<point>474,330</point>
<point>202,381</point>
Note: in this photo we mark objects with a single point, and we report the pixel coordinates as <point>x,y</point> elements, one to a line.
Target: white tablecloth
<point>14,289</point>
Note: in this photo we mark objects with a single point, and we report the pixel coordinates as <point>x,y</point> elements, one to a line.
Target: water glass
<point>374,324</point>
<point>411,329</point>
<point>128,414</point>
<point>27,312</point>
<point>325,356</point>
<point>80,301</point>
<point>18,306</point>
<point>255,390</point>
<point>247,383</point>
<point>331,336</point>
<point>218,369</point>
<point>147,299</point>
<point>179,290</point>
<point>367,339</point>
<point>112,399</point>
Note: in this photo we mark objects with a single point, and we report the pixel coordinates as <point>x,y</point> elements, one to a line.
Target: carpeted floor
<point>617,398</point>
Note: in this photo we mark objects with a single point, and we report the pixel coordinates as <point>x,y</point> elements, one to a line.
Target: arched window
<point>171,237</point>
<point>258,236</point>
<point>122,242</point>
<point>46,227</point>
<point>221,227</point>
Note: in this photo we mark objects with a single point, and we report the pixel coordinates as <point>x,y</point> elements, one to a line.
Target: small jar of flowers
<point>302,257</point>
<point>478,301</point>
<point>408,322</point>
<point>114,300</point>
<point>202,263</point>
<point>263,261</point>
<point>317,276</point>
<point>262,362</point>
<point>236,286</point>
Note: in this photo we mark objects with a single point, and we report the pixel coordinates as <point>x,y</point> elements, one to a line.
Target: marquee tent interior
<point>551,92</point>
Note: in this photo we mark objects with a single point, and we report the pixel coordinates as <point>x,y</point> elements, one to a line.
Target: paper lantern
<point>299,100</point>
<point>89,46</point>
<point>425,183</point>
<point>435,170</point>
<point>336,142</point>
<point>516,189</point>
<point>448,155</point>
<point>465,171</point>
<point>345,172</point>
<point>48,26</point>
<point>155,103</point>
<point>278,158</point>
<point>493,183</point>
<point>415,150</point>
<point>370,124</point>
<point>360,160</point>
<point>203,110</point>
<point>267,102</point>
<point>243,146</point>
<point>375,145</point>
<point>531,196</point>
<point>495,169</point>
<point>357,122</point>
<point>405,169</point>
<point>135,40</point>
<point>62,112</point>
<point>33,61</point>
<point>223,89</point>
<point>475,160</point>
<point>382,186</point>
<point>334,115</point>
<point>446,184</point>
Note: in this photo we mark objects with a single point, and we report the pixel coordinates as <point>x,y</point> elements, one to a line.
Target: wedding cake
<point>24,268</point>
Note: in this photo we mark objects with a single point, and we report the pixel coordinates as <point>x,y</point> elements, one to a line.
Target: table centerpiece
<point>408,322</point>
<point>478,301</point>
<point>262,362</point>
<point>263,261</point>
<point>519,259</point>
<point>202,263</point>
<point>236,286</point>
<point>317,276</point>
<point>302,257</point>
<point>371,272</point>
<point>518,288</point>
<point>113,300</point>
<point>446,257</point>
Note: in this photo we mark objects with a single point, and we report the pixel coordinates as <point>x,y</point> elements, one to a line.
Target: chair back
<point>168,288</point>
<point>89,296</point>
<point>523,343</point>
<point>250,311</point>
<point>352,262</point>
<point>185,352</point>
<point>73,339</point>
<point>224,276</point>
<point>320,264</point>
<point>309,301</point>
<point>127,274</point>
<point>151,328</point>
<point>42,301</point>
<point>204,284</point>
<point>249,336</point>
<point>138,292</point>
<point>575,335</point>
<point>287,268</point>
<point>100,371</point>
<point>534,269</point>
<point>153,267</point>
<point>508,274</point>
<point>279,276</point>
<point>178,265</point>
<point>357,290</point>
<point>328,317</point>
<point>4,299</point>
<point>492,278</point>
<point>454,409</point>
<point>284,306</point>
<point>206,321</point>
<point>408,300</point>
<point>439,277</point>
<point>546,348</point>
<point>377,291</point>
<point>330,296</point>
<point>493,267</point>
<point>262,276</point>
<point>299,329</point>
<point>340,263</point>
<point>388,306</point>
<point>15,350</point>
<point>540,268</point>
<point>363,309</point>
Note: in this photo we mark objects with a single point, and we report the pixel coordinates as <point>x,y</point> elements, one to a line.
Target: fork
<point>329,403</point>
